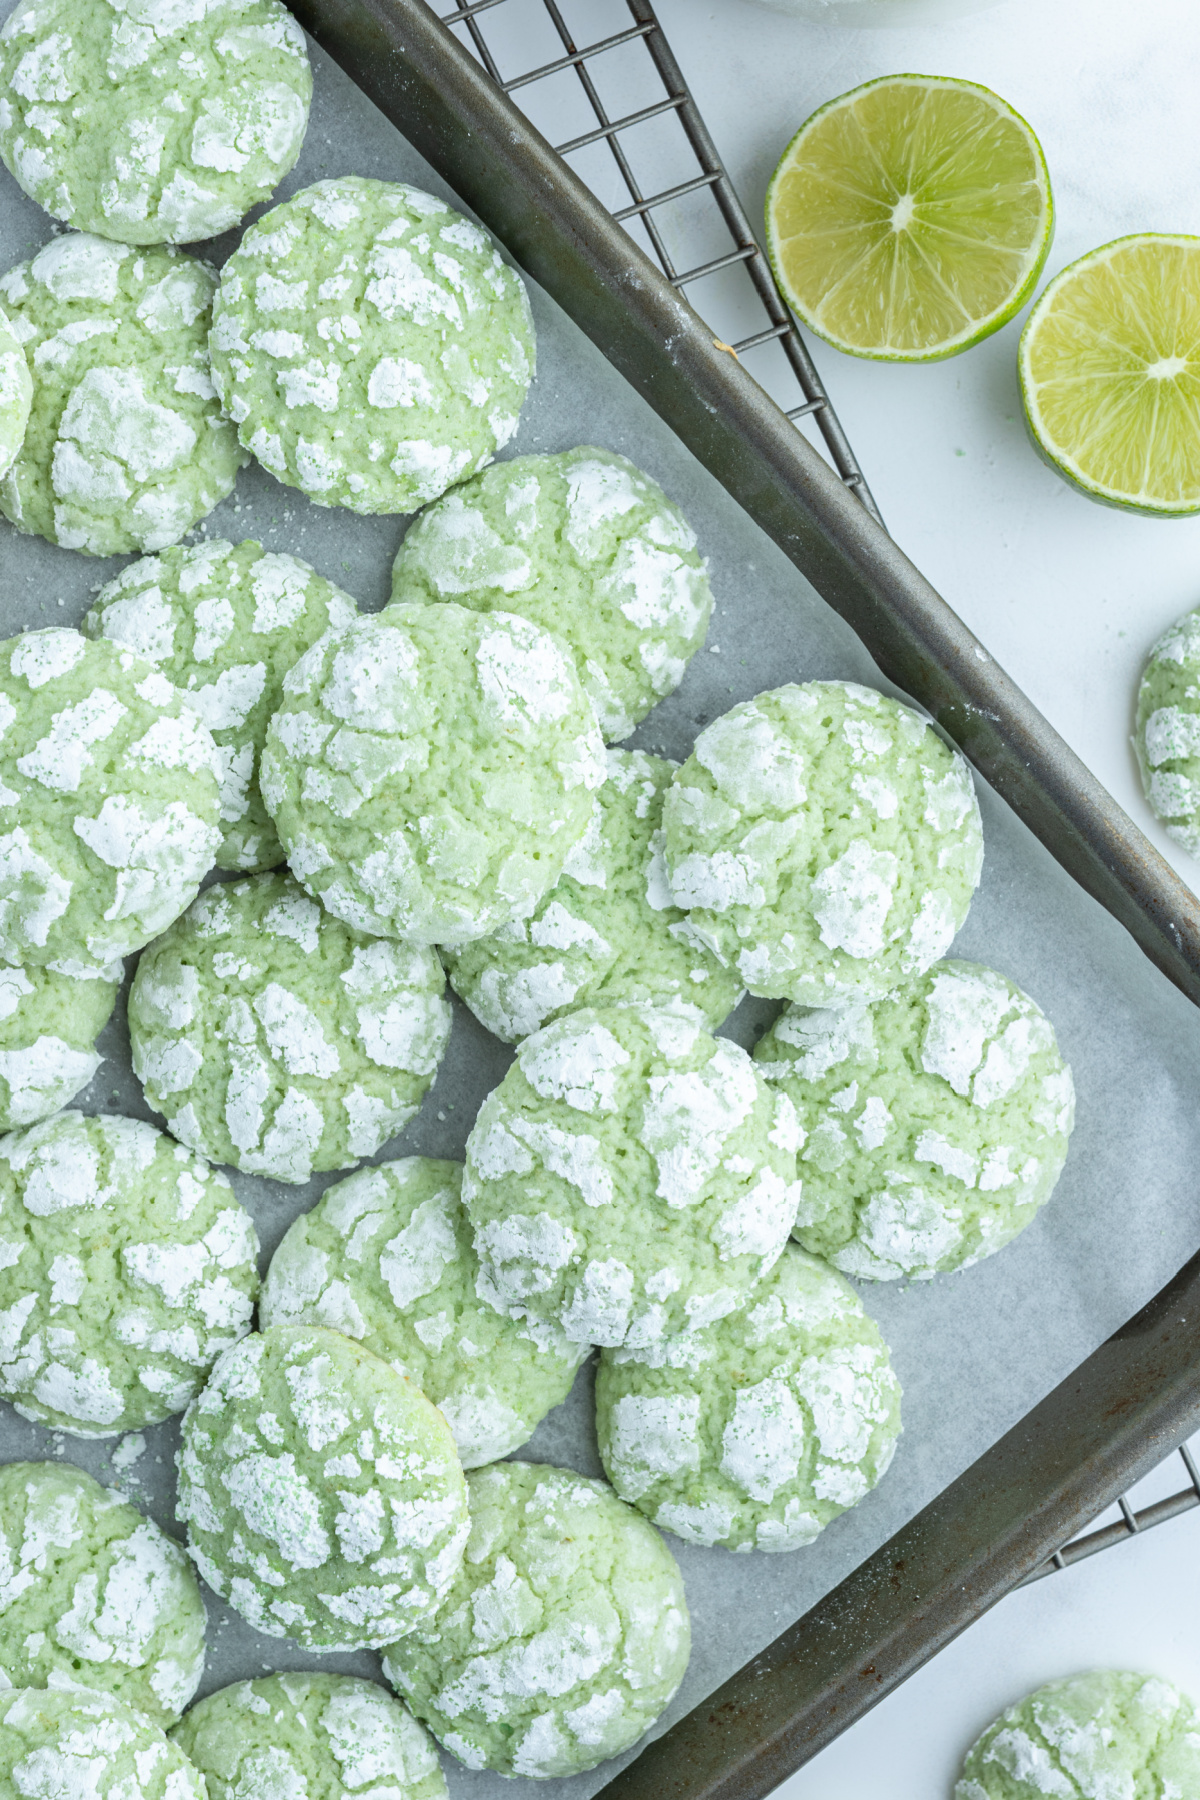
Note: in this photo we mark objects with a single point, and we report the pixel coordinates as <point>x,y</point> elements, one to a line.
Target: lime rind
<point>1055,455</point>
<point>1031,260</point>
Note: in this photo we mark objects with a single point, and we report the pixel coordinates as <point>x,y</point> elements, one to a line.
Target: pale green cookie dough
<point>94,1595</point>
<point>825,841</point>
<point>225,622</point>
<point>1167,739</point>
<point>128,1266</point>
<point>48,1026</point>
<point>126,446</point>
<point>16,391</point>
<point>1106,1735</point>
<point>108,801</point>
<point>564,1636</point>
<point>386,1257</point>
<point>159,122</point>
<point>76,1744</point>
<point>321,1491</point>
<point>310,1737</point>
<point>935,1121</point>
<point>370,345</point>
<point>607,932</point>
<point>273,1037</point>
<point>586,546</point>
<point>431,769</point>
<point>631,1178</point>
<point>757,1431</point>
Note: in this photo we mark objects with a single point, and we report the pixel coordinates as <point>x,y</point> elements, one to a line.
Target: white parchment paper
<point>974,1350</point>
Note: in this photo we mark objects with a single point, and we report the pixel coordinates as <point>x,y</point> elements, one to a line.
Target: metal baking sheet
<point>974,1351</point>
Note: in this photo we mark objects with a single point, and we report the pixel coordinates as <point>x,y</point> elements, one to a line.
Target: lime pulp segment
<point>910,218</point>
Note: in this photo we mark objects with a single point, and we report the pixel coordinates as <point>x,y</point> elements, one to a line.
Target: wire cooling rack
<point>615,105</point>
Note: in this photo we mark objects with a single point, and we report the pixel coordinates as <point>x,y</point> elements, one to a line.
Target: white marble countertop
<point>1068,595</point>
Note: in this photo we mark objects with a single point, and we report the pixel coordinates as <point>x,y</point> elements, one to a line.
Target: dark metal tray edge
<point>1127,1405</point>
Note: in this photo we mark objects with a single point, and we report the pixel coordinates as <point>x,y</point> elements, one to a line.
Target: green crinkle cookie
<point>94,1595</point>
<point>1167,739</point>
<point>77,1744</point>
<point>431,769</point>
<point>1106,1735</point>
<point>370,345</point>
<point>108,801</point>
<point>564,1636</point>
<point>321,1491</point>
<point>586,546</point>
<point>126,446</point>
<point>935,1121</point>
<point>310,1737</point>
<point>127,1267</point>
<point>386,1257</point>
<point>825,841</point>
<point>608,932</point>
<point>48,1026</point>
<point>631,1178</point>
<point>16,391</point>
<point>273,1037</point>
<point>757,1431</point>
<point>225,622</point>
<point>159,122</point>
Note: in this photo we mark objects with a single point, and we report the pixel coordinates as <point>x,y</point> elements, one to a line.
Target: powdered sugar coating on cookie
<point>108,801</point>
<point>585,545</point>
<point>756,1431</point>
<point>631,1178</point>
<point>162,122</point>
<point>273,1037</point>
<point>607,932</point>
<point>824,840</point>
<point>1098,1736</point>
<point>935,1121</point>
<point>16,392</point>
<point>431,769</point>
<point>371,345</point>
<point>126,445</point>
<point>127,1267</point>
<point>49,1019</point>
<point>564,1636</point>
<point>321,1491</point>
<point>225,622</point>
<point>94,1595</point>
<point>386,1257</point>
<point>310,1737</point>
<point>68,1742</point>
<point>1167,738</point>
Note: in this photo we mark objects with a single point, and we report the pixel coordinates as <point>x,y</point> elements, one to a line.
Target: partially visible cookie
<point>1167,738</point>
<point>75,1741</point>
<point>371,345</point>
<point>152,124</point>
<point>608,931</point>
<point>16,393</point>
<point>309,1737</point>
<point>1091,1737</point>
<point>386,1257</point>
<point>126,446</point>
<point>585,545</point>
<point>49,1021</point>
<point>273,1037</point>
<point>95,1595</point>
<point>126,1267</point>
<point>225,622</point>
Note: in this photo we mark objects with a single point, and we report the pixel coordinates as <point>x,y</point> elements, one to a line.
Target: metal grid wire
<point>657,170</point>
<point>696,214</point>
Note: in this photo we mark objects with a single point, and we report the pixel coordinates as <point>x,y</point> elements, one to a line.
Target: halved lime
<point>1110,374</point>
<point>910,218</point>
